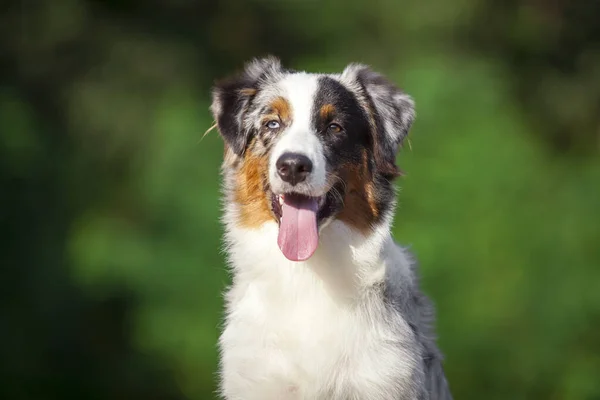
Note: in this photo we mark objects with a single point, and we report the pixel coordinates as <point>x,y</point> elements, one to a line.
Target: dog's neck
<point>347,262</point>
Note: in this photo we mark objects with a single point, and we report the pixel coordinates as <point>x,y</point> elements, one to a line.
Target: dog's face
<point>302,149</point>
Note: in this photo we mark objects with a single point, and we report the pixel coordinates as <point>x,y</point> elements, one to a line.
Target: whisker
<point>214,125</point>
<point>336,179</point>
<point>337,194</point>
<point>334,191</point>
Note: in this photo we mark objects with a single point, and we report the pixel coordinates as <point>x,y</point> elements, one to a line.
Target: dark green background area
<point>111,269</point>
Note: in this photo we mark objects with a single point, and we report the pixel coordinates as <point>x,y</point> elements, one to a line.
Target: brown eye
<point>273,124</point>
<point>334,128</point>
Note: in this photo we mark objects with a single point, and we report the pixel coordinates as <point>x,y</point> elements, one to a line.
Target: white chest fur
<point>318,329</point>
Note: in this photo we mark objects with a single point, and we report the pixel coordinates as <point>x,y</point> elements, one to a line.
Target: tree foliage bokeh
<point>111,270</point>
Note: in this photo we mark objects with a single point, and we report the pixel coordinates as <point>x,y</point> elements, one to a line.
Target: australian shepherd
<point>323,303</point>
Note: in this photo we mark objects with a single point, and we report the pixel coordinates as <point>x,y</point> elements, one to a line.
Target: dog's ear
<point>232,97</point>
<point>392,112</point>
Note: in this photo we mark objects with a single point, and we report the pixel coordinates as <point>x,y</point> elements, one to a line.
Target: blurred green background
<point>110,265</point>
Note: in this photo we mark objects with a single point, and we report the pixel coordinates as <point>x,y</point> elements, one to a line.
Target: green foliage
<point>112,264</point>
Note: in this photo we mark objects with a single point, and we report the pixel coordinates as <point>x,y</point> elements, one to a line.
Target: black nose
<point>293,167</point>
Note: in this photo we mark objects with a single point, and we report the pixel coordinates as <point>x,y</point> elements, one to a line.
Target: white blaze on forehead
<point>300,90</point>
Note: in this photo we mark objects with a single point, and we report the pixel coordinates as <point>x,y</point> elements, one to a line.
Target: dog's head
<point>302,149</point>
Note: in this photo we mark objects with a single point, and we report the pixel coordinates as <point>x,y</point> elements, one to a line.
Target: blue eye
<point>273,124</point>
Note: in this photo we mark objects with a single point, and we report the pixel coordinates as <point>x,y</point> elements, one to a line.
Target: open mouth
<point>299,217</point>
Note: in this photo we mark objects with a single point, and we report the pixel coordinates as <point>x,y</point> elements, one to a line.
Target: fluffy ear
<point>392,113</point>
<point>231,98</point>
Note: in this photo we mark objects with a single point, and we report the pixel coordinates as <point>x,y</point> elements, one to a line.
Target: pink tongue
<point>298,236</point>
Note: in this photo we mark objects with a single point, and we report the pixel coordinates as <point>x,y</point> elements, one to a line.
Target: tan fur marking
<point>248,91</point>
<point>327,112</point>
<point>369,189</point>
<point>250,191</point>
<point>282,107</point>
<point>360,208</point>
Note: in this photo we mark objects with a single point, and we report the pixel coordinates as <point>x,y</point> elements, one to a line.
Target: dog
<point>323,303</point>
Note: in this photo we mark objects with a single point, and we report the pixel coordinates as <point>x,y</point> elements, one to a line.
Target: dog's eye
<point>334,128</point>
<point>272,124</point>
